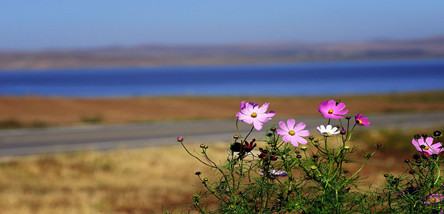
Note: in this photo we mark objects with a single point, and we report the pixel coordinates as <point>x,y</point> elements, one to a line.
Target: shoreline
<point>218,64</point>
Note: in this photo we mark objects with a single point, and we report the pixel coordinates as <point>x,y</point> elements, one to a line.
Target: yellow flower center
<point>254,114</point>
<point>426,148</point>
<point>330,111</point>
<point>433,200</point>
<point>291,132</point>
<point>359,122</point>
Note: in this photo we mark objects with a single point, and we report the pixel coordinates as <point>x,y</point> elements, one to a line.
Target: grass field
<point>124,181</point>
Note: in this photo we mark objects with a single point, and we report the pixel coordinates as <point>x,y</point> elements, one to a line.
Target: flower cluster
<point>293,170</point>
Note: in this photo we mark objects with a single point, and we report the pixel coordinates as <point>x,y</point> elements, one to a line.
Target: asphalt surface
<point>106,137</point>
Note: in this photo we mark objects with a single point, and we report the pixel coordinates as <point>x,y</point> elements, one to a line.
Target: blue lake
<point>298,79</point>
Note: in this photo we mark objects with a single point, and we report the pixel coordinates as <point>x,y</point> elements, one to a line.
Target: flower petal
<point>290,124</point>
<point>304,133</point>
<point>299,126</point>
<point>283,126</point>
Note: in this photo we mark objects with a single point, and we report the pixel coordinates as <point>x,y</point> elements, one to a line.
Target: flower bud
<point>417,136</point>
<point>303,148</point>
<point>236,136</point>
<point>205,180</point>
<point>197,173</point>
<point>348,117</point>
<point>437,133</point>
<point>313,167</point>
<point>347,147</point>
<point>203,146</point>
<point>424,135</point>
<point>378,145</point>
<point>273,129</point>
<point>179,139</point>
<point>311,138</point>
<point>343,132</point>
<point>299,156</point>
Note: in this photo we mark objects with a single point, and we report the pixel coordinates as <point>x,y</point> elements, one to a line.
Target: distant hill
<point>159,55</point>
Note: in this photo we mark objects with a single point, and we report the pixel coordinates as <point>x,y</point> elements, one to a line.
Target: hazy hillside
<point>149,55</point>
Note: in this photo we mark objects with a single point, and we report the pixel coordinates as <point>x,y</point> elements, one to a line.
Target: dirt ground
<point>46,111</point>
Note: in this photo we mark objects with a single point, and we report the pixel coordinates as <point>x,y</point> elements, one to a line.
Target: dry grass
<point>29,111</point>
<point>125,181</point>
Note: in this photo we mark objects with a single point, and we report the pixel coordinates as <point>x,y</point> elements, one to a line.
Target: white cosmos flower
<point>328,131</point>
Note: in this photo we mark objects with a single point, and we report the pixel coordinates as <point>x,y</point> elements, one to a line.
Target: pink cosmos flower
<point>427,146</point>
<point>331,109</point>
<point>434,198</point>
<point>361,120</point>
<point>291,133</point>
<point>251,113</point>
<point>274,173</point>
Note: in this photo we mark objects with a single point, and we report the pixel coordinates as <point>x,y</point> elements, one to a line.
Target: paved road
<point>65,139</point>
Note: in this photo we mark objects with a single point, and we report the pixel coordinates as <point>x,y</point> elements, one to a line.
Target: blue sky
<point>45,24</point>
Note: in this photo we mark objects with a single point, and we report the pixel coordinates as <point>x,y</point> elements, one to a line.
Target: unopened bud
<point>379,145</point>
<point>311,138</point>
<point>347,147</point>
<point>205,180</point>
<point>424,135</point>
<point>348,117</point>
<point>273,129</point>
<point>303,148</point>
<point>202,146</point>
<point>313,167</point>
<point>179,139</point>
<point>197,173</point>
<point>343,132</point>
<point>236,136</point>
<point>437,133</point>
<point>299,156</point>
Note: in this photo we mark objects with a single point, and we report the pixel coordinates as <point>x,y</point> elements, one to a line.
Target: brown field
<point>128,181</point>
<point>122,181</point>
<point>42,111</point>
